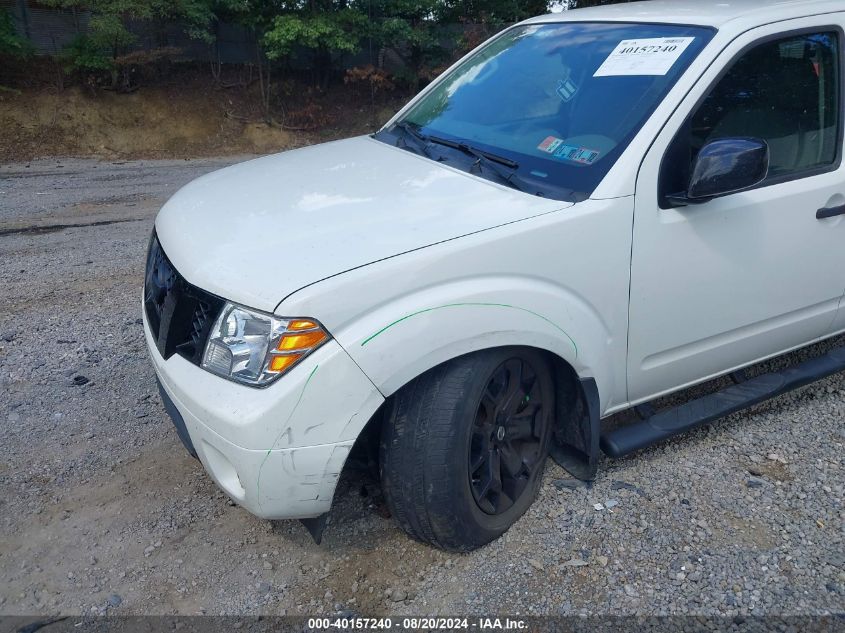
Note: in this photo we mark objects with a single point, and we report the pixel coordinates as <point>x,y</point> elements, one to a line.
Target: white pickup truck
<point>591,210</point>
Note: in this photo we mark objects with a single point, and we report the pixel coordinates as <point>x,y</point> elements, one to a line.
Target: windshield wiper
<point>492,162</point>
<point>504,168</point>
<point>420,140</point>
<point>473,151</point>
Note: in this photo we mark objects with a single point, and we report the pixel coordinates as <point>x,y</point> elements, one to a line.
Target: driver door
<point>748,275</point>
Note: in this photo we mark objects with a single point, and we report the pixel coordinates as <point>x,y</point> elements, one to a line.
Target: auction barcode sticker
<point>652,56</point>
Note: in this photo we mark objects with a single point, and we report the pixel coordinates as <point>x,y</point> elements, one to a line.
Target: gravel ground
<point>102,511</point>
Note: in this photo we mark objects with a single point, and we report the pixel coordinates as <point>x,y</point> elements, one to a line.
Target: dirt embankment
<point>165,122</point>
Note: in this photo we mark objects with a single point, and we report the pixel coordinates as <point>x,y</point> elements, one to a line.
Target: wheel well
<point>577,421</point>
<point>575,445</point>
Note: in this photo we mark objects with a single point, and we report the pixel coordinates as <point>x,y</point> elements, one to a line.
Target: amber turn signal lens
<point>281,363</point>
<point>302,324</point>
<point>299,338</point>
<point>301,341</point>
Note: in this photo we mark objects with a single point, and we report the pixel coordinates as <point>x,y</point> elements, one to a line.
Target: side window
<point>785,92</point>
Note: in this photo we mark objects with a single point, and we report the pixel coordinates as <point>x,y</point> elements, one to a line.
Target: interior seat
<point>775,99</point>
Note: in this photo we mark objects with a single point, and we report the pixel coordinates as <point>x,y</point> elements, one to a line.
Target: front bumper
<point>278,451</point>
<point>178,421</point>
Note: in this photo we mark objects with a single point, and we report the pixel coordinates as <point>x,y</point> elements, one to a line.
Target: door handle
<point>829,212</point>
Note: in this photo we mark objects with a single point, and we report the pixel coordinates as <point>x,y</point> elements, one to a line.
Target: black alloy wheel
<point>506,446</point>
<point>463,446</point>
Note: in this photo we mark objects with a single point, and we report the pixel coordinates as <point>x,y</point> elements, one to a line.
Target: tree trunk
<point>263,80</point>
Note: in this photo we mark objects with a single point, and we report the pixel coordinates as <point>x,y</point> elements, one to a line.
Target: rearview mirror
<point>726,165</point>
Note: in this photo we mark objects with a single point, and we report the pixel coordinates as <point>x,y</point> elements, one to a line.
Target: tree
<point>325,28</point>
<point>195,17</point>
<point>492,11</point>
<point>409,28</point>
<point>11,43</point>
<point>257,16</point>
<point>108,36</point>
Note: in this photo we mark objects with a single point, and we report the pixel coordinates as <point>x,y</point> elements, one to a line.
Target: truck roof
<point>747,13</point>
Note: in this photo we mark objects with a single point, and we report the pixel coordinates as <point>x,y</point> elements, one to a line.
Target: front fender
<point>406,337</point>
<point>556,282</point>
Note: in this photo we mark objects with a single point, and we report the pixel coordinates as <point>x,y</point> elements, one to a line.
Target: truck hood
<point>260,230</point>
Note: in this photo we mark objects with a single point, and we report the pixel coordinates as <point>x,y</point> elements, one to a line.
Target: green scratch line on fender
<point>282,432</point>
<point>463,305</point>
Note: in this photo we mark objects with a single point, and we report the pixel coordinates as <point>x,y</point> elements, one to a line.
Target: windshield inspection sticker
<point>652,56</point>
<point>550,144</point>
<point>581,155</point>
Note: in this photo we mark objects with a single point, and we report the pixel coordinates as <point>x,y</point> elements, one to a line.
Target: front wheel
<point>464,445</point>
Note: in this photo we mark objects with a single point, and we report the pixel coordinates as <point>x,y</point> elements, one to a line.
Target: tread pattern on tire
<point>417,443</point>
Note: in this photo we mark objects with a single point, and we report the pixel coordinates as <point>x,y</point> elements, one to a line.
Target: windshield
<point>549,108</point>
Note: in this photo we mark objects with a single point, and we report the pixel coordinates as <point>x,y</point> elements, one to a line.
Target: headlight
<point>256,348</point>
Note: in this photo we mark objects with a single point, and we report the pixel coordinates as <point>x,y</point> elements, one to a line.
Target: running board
<point>671,422</point>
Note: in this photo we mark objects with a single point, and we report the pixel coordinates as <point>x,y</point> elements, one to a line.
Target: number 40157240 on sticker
<point>651,56</point>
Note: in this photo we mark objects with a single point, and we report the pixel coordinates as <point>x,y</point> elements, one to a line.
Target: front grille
<point>180,315</point>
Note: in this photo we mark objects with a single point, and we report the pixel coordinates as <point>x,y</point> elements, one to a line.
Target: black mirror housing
<point>728,165</point>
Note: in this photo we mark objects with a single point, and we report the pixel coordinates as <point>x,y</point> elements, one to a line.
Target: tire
<point>437,424</point>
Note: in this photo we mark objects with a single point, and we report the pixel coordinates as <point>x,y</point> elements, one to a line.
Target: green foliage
<point>10,42</point>
<point>254,14</point>
<point>194,16</point>
<point>411,28</point>
<point>107,35</point>
<point>337,32</point>
<point>423,33</point>
<point>107,28</point>
<point>492,11</point>
<point>85,55</point>
<point>108,31</point>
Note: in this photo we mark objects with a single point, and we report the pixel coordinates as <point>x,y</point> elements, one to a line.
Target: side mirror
<point>726,165</point>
